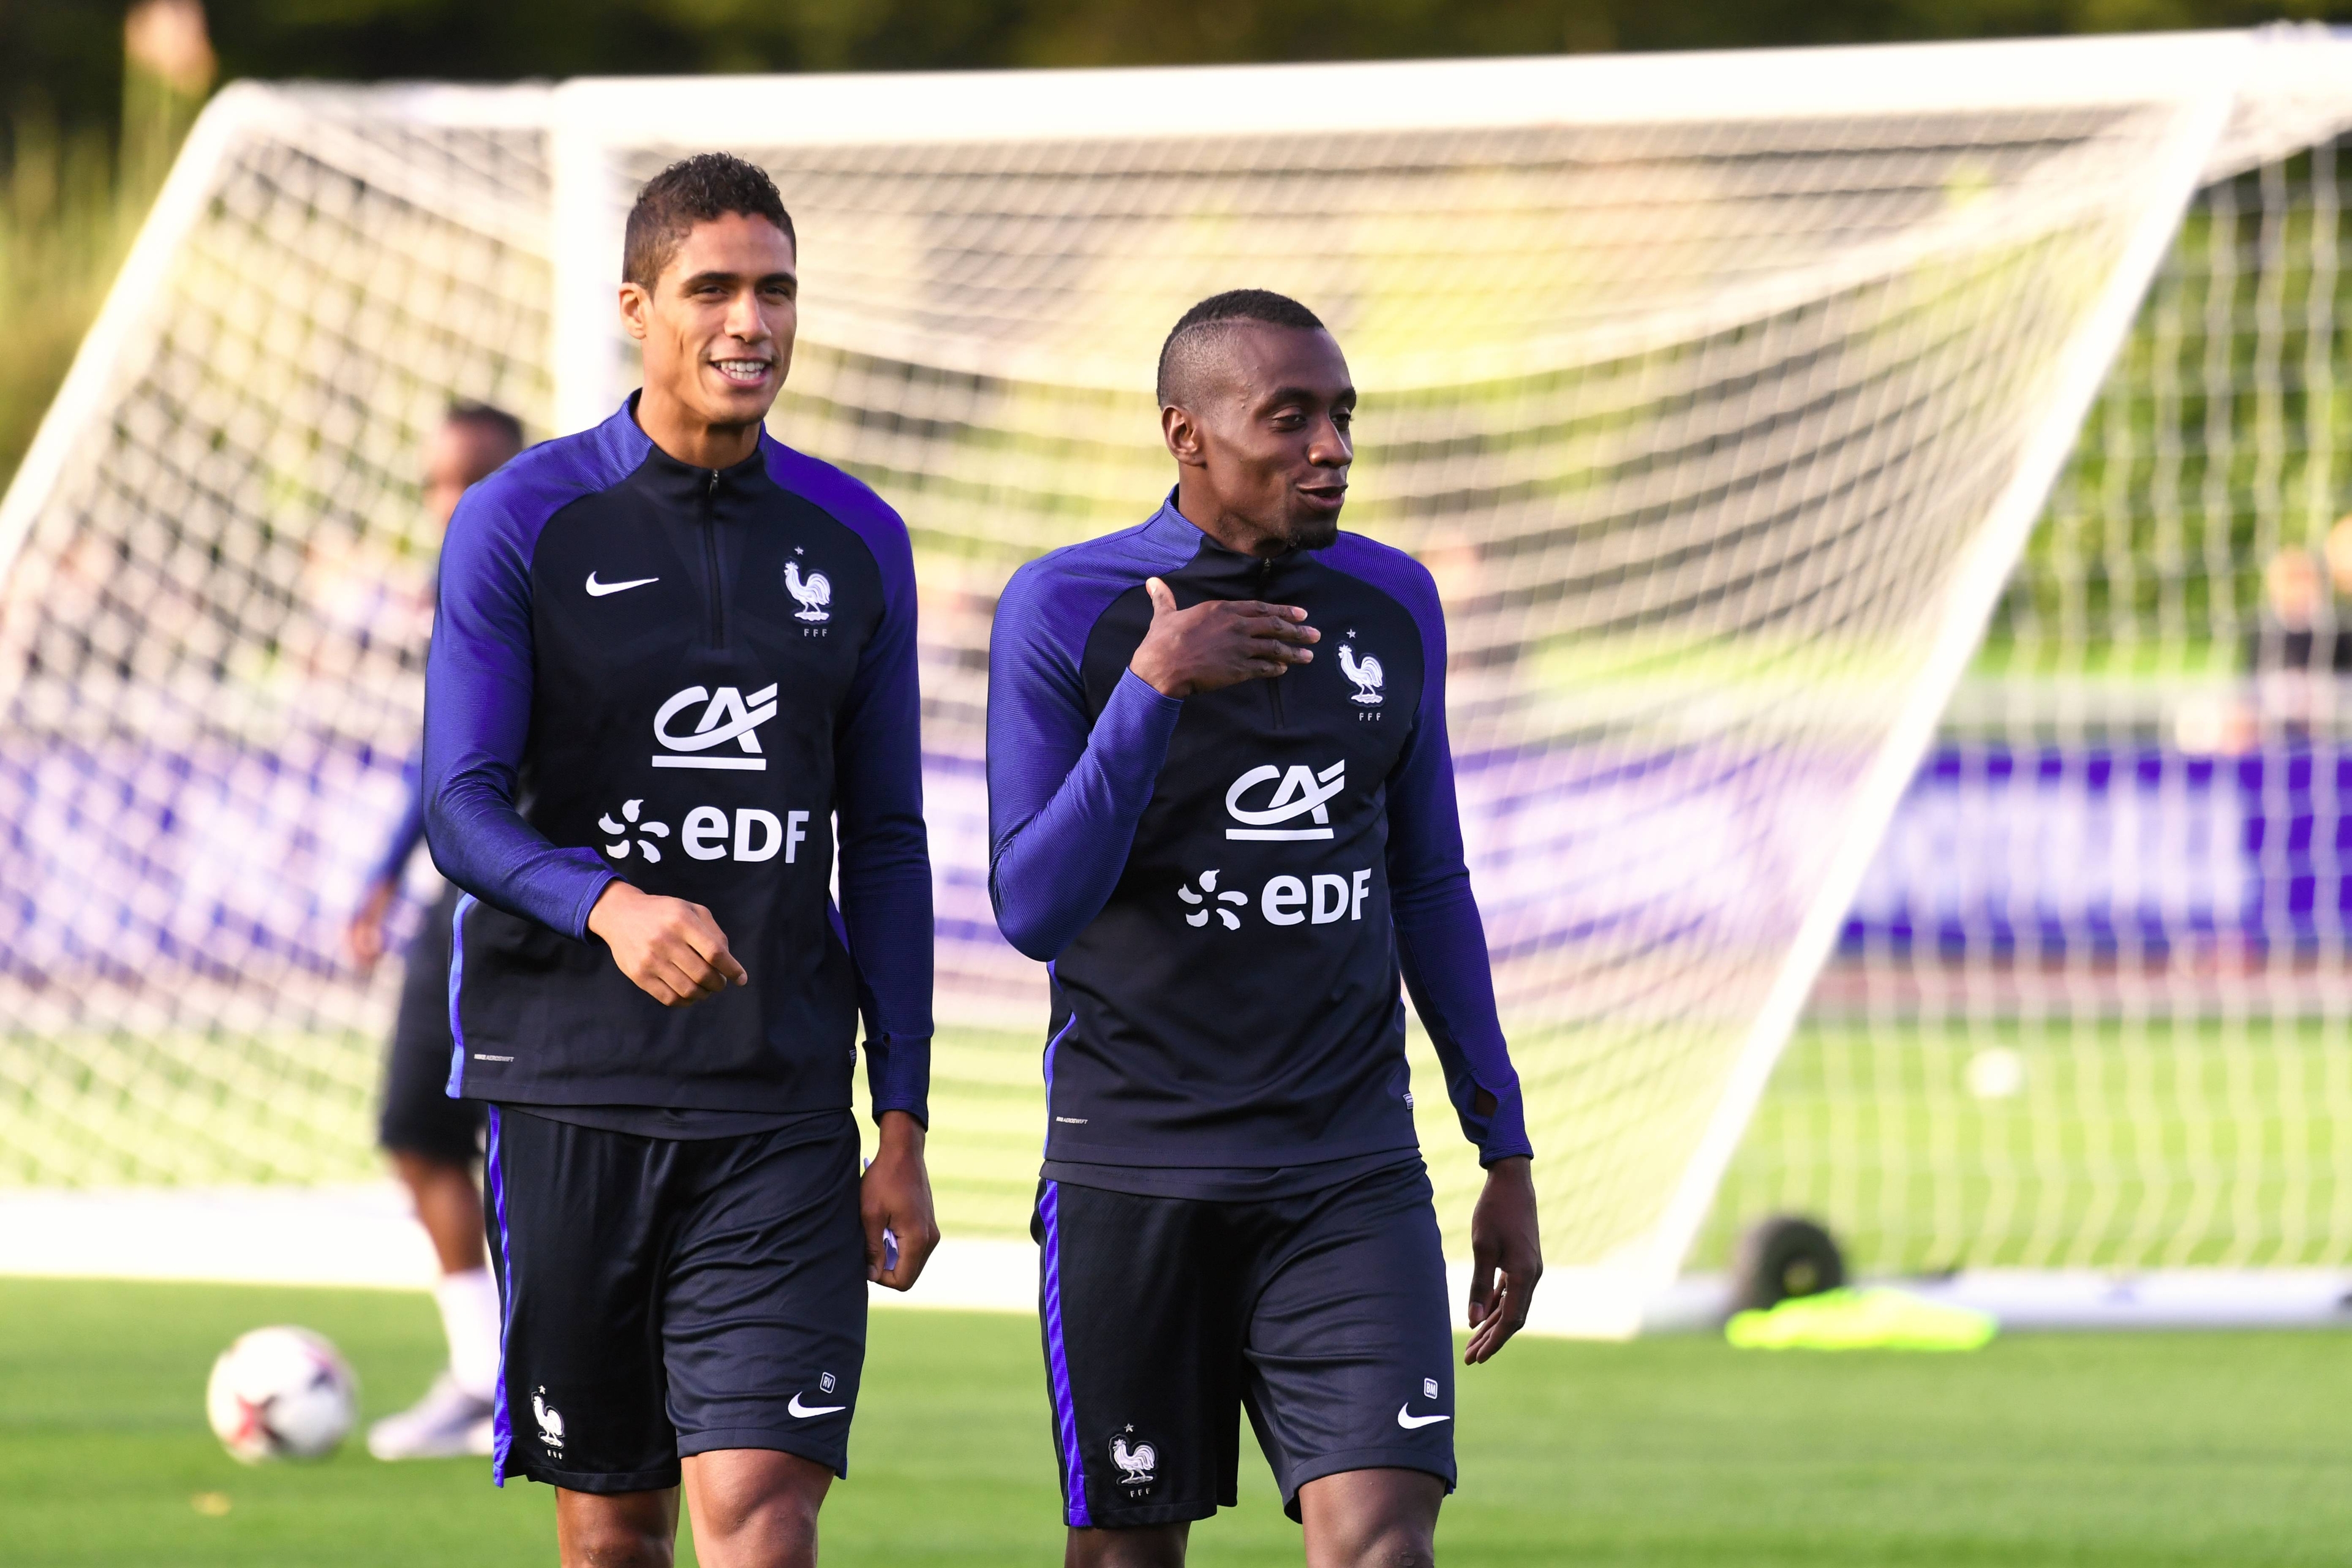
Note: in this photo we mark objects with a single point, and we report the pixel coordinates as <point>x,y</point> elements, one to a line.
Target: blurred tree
<point>60,61</point>
<point>71,196</point>
<point>64,52</point>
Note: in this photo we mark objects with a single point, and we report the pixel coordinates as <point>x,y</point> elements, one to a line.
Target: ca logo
<point>1302,792</point>
<point>727,715</point>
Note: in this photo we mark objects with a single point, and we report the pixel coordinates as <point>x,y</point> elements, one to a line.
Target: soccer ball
<point>281,1393</point>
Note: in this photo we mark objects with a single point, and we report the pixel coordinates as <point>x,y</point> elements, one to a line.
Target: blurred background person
<point>2338,554</point>
<point>434,1141</point>
<point>2296,651</point>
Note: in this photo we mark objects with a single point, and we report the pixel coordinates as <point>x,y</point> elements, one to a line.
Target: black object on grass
<point>1783,1256</point>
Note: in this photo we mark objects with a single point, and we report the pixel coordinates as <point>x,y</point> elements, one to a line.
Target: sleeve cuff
<point>592,886</point>
<point>899,1075</point>
<point>1506,1129</point>
<point>1157,706</point>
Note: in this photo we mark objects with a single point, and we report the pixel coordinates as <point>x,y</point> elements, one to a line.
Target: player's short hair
<point>490,421</point>
<point>692,191</point>
<point>1182,356</point>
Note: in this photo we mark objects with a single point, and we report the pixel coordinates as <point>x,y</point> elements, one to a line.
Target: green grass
<point>2085,1450</point>
<point>2168,1142</point>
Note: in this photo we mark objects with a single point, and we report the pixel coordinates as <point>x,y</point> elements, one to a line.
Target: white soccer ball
<point>1996,1073</point>
<point>281,1393</point>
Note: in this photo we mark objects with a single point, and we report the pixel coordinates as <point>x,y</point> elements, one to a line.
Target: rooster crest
<point>1366,673</point>
<point>1134,1464</point>
<point>550,1424</point>
<point>814,592</point>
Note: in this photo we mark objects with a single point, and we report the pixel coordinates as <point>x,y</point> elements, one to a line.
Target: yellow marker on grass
<point>1875,1319</point>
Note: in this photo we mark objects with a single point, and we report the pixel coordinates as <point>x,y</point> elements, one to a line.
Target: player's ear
<point>636,307</point>
<point>1182,434</point>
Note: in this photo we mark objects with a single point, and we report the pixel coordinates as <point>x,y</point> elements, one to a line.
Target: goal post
<point>1978,574</point>
<point>2085,1016</point>
<point>1719,393</point>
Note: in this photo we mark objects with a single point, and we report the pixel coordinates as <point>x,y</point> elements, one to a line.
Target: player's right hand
<point>1505,1255</point>
<point>673,949</point>
<point>364,935</point>
<point>1218,642</point>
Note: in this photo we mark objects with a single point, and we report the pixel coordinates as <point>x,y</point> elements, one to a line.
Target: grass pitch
<point>2085,1450</point>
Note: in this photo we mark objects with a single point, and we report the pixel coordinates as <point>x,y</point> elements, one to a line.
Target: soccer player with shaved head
<point>673,673</point>
<point>1221,807</point>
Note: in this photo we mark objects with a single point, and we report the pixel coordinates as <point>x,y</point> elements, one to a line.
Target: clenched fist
<point>673,949</point>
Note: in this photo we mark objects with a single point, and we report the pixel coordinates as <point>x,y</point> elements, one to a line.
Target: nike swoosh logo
<point>598,590</point>
<point>1408,1421</point>
<point>805,1411</point>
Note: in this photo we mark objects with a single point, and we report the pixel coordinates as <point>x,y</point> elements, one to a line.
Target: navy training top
<point>1227,886</point>
<point>684,677</point>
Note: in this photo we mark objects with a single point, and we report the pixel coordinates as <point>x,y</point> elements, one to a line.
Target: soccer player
<point>432,1140</point>
<point>1227,837</point>
<point>672,659</point>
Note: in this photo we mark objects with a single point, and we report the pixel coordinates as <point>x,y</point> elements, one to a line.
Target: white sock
<point>469,1317</point>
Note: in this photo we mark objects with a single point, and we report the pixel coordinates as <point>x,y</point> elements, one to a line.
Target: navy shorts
<point>1322,1314</point>
<point>418,1116</point>
<point>668,1297</point>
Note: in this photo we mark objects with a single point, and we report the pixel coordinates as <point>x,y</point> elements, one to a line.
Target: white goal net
<point>2088,1009</point>
<point>1721,393</point>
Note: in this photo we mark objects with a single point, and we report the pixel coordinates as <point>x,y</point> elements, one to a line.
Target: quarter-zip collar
<point>713,500</point>
<point>686,486</point>
<point>623,447</point>
<point>1232,574</point>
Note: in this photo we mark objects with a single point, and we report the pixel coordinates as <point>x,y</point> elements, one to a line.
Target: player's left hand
<point>896,1196</point>
<point>1505,1258</point>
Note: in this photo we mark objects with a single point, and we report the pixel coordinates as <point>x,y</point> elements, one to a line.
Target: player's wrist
<point>1157,674</point>
<point>900,1132</point>
<point>613,905</point>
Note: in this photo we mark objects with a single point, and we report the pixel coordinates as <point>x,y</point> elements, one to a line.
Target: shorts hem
<point>1338,1463</point>
<point>1149,1514</point>
<point>603,1483</point>
<point>775,1439</point>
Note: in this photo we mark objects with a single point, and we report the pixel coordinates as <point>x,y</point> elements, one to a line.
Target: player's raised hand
<point>1505,1258</point>
<point>1219,641</point>
<point>894,1200</point>
<point>672,949</point>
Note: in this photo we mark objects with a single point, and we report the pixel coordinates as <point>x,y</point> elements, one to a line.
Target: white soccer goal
<point>1721,393</point>
<point>2088,1011</point>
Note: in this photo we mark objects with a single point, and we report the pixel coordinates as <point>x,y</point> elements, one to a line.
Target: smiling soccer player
<point>672,655</point>
<point>1222,805</point>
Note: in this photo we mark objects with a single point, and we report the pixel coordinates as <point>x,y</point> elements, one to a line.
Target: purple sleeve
<point>409,831</point>
<point>1441,941</point>
<point>885,861</point>
<point>1064,793</point>
<point>477,687</point>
